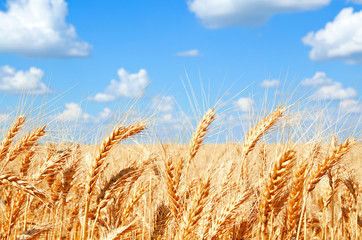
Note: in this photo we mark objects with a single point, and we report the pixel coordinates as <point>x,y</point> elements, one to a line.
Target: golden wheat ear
<point>24,186</point>
<point>199,136</point>
<point>118,134</point>
<point>263,126</point>
<point>8,139</point>
<point>119,232</point>
<point>194,211</point>
<point>24,144</point>
<point>334,156</point>
<point>226,219</point>
<point>251,139</point>
<point>295,199</point>
<point>276,183</point>
<point>161,221</point>
<point>35,232</point>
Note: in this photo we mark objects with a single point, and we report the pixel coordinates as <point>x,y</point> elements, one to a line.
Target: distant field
<point>247,190</point>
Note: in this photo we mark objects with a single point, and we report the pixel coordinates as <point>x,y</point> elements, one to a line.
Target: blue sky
<point>92,55</point>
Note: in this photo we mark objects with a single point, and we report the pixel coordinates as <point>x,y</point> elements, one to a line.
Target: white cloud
<point>164,104</point>
<point>167,118</point>
<point>74,113</point>
<point>223,13</point>
<point>328,88</point>
<point>350,106</point>
<point>27,82</point>
<point>319,78</point>
<point>130,85</point>
<point>340,39</point>
<point>37,28</point>
<point>4,117</point>
<point>105,114</point>
<point>335,91</point>
<point>270,83</point>
<point>244,104</point>
<point>189,53</point>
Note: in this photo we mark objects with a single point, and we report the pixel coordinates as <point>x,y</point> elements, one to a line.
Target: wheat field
<point>252,189</point>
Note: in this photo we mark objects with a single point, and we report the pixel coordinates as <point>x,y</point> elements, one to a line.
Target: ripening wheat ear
<point>194,211</point>
<point>334,156</point>
<point>118,134</point>
<point>135,198</point>
<point>227,217</point>
<point>295,199</point>
<point>25,163</point>
<point>199,136</point>
<point>24,144</point>
<point>294,209</point>
<point>162,215</point>
<point>119,232</point>
<point>252,137</point>
<point>115,181</point>
<point>8,139</point>
<point>35,232</point>
<point>172,180</point>
<point>276,182</point>
<point>50,168</point>
<point>23,185</point>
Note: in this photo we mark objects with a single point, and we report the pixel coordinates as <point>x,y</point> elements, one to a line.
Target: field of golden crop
<point>253,189</point>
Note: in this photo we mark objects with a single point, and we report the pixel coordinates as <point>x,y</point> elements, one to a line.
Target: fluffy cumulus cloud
<point>37,28</point>
<point>350,106</point>
<point>328,89</point>
<point>165,107</point>
<point>339,39</point>
<point>74,113</point>
<point>167,118</point>
<point>223,13</point>
<point>335,91</point>
<point>4,117</point>
<point>27,82</point>
<point>319,78</point>
<point>244,104</point>
<point>129,85</point>
<point>164,103</point>
<point>270,83</point>
<point>189,53</point>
